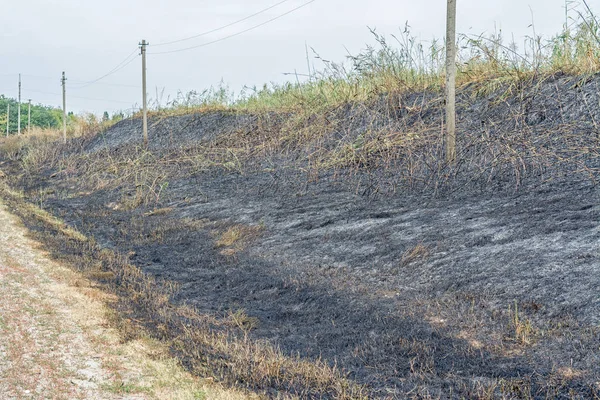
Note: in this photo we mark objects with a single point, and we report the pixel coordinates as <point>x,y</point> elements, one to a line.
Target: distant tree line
<point>41,116</point>
<point>49,117</point>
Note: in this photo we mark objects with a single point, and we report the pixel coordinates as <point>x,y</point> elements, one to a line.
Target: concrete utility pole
<point>19,109</point>
<point>29,117</point>
<point>64,93</point>
<point>145,106</point>
<point>451,82</point>
<point>7,117</point>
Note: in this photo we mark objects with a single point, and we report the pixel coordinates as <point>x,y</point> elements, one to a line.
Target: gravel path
<point>57,343</point>
<point>52,334</point>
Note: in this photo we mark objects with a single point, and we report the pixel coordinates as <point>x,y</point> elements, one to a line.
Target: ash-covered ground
<point>490,280</point>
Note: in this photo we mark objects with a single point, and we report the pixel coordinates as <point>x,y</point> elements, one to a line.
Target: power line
<point>106,84</point>
<point>238,33</point>
<point>39,77</point>
<point>128,60</point>
<point>132,56</point>
<point>79,97</point>
<point>42,92</point>
<point>119,67</point>
<point>93,99</point>
<point>75,81</point>
<point>222,27</point>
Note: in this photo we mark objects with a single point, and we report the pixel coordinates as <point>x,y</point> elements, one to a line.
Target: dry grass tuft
<point>570,373</point>
<point>418,253</point>
<point>159,211</point>
<point>237,237</point>
<point>523,331</point>
<point>32,149</point>
<point>241,320</point>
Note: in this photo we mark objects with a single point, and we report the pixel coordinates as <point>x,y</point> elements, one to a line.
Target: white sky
<point>41,38</point>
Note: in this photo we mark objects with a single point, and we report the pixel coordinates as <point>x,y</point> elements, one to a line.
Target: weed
<point>523,331</point>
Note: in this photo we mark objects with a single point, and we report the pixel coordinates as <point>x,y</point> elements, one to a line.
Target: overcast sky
<point>87,39</point>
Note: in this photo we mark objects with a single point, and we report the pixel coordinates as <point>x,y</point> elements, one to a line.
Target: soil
<point>488,284</point>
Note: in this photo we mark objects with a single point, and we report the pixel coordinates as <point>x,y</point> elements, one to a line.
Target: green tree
<point>41,116</point>
<point>118,116</point>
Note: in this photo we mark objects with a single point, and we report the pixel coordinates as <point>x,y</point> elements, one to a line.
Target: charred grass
<point>382,146</point>
<point>208,346</point>
<point>377,131</point>
<point>385,146</point>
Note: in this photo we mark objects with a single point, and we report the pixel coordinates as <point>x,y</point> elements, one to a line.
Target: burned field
<point>341,239</point>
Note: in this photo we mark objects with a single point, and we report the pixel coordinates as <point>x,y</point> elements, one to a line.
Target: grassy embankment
<point>373,86</point>
<point>299,118</point>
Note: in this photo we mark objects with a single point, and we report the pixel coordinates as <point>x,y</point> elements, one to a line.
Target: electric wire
<point>132,56</point>
<point>237,33</point>
<point>104,83</point>
<point>95,99</point>
<point>79,97</point>
<point>75,81</point>
<point>128,60</point>
<point>221,27</point>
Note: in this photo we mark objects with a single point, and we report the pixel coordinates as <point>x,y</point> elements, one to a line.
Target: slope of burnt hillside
<point>345,237</point>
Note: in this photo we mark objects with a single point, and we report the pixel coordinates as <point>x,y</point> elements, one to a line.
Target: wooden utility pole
<point>19,109</point>
<point>29,117</point>
<point>7,117</point>
<point>145,106</point>
<point>64,93</point>
<point>451,82</point>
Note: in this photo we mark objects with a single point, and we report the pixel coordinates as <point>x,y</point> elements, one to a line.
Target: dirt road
<point>56,342</point>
